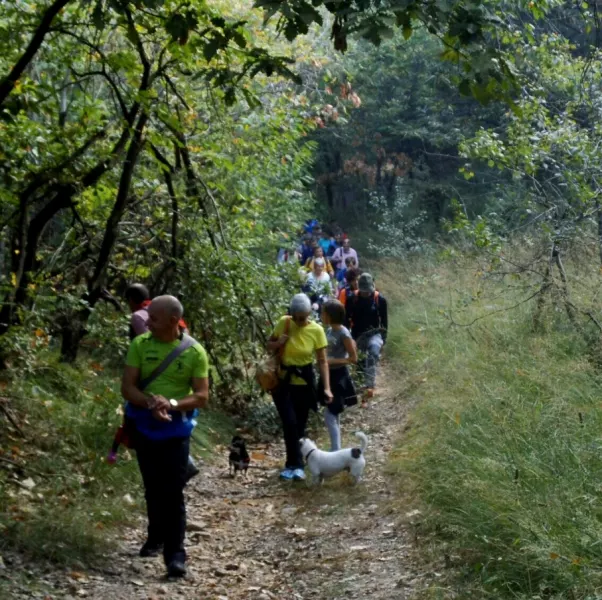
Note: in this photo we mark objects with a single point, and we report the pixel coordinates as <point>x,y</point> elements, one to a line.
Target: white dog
<point>326,464</point>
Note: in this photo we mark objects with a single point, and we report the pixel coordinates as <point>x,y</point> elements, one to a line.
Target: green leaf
<point>210,49</point>
<point>465,88</point>
<point>177,27</point>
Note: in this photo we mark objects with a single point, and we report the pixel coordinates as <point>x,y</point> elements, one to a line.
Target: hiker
<point>310,225</point>
<point>351,278</point>
<point>163,414</point>
<point>285,255</point>
<point>327,244</point>
<point>319,253</point>
<point>342,253</point>
<point>316,232</point>
<point>138,299</point>
<point>350,263</point>
<point>300,340</point>
<point>318,283</point>
<point>366,317</point>
<point>306,250</point>
<point>341,352</point>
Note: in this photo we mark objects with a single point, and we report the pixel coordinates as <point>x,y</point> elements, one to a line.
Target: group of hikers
<point>166,378</point>
<point>350,328</point>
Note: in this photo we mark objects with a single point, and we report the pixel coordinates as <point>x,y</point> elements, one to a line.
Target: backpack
<point>375,302</point>
<point>266,372</point>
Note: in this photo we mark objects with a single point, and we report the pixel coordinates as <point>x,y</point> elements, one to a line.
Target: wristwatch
<point>174,403</point>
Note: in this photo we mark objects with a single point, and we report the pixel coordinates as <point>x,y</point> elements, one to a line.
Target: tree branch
<point>8,83</point>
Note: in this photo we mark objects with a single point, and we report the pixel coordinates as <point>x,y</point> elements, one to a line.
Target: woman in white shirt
<point>319,282</point>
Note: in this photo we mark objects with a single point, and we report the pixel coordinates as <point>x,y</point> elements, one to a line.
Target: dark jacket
<point>366,314</point>
<point>342,388</point>
<point>307,374</point>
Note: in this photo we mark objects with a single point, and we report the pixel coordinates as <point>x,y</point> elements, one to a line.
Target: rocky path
<point>259,539</point>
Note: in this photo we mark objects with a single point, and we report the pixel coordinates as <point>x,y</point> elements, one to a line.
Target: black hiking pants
<point>293,403</point>
<point>163,466</point>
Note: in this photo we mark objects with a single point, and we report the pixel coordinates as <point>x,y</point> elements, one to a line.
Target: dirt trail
<point>261,539</point>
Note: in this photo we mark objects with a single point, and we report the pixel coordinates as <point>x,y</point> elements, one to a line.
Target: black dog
<point>239,457</point>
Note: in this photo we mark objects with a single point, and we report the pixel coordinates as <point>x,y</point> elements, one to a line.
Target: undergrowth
<point>59,499</point>
<point>503,452</point>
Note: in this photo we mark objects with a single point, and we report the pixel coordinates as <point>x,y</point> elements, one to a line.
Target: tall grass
<point>504,448</point>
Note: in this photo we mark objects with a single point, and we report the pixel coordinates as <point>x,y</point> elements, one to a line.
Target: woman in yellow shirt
<point>299,340</point>
<point>319,253</point>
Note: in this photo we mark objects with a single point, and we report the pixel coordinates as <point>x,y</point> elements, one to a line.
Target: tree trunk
<point>75,330</point>
<point>541,299</point>
<point>570,309</point>
<point>599,211</point>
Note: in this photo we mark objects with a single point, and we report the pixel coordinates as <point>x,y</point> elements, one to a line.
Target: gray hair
<point>170,304</point>
<point>320,262</point>
<point>300,304</point>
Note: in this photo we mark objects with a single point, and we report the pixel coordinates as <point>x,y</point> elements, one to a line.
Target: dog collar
<point>309,453</point>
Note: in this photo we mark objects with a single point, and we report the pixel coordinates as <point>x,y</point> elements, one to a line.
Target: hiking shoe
<point>191,471</point>
<point>286,474</point>
<point>176,568</point>
<point>299,475</point>
<point>149,550</point>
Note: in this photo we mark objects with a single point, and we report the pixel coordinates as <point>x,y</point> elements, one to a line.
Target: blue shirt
<point>326,245</point>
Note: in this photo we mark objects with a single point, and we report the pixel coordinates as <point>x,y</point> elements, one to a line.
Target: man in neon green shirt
<point>163,415</point>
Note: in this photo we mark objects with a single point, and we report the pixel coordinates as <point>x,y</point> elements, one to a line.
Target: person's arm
<point>336,258</point>
<point>129,390</point>
<point>139,324</point>
<point>199,397</point>
<point>384,317</point>
<point>277,339</point>
<point>324,373</point>
<point>351,358</point>
<point>276,343</point>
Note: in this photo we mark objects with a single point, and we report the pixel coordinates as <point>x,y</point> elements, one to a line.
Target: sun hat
<point>366,283</point>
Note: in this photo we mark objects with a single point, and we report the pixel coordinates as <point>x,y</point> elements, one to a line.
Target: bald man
<point>163,415</point>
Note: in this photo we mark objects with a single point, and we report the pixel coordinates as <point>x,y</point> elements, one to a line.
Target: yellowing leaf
<point>554,556</point>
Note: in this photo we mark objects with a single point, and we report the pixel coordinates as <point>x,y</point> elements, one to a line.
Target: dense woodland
<point>181,144</point>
